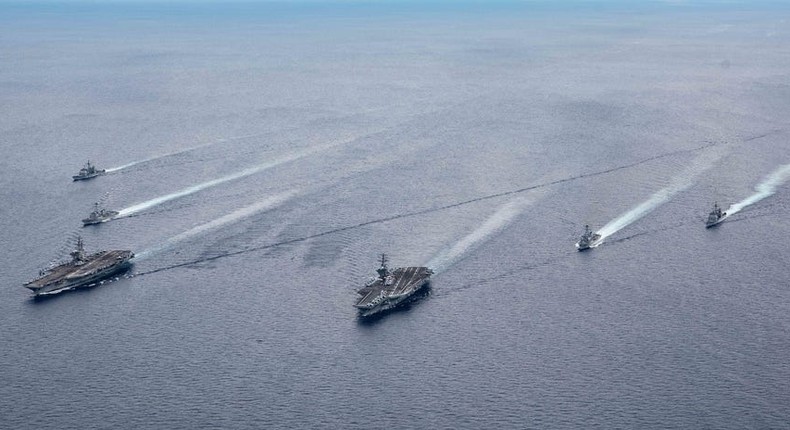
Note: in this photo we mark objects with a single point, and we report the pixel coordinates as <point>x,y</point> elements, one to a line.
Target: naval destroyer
<point>715,216</point>
<point>588,239</point>
<point>391,288</point>
<point>99,215</point>
<point>84,270</point>
<point>88,172</point>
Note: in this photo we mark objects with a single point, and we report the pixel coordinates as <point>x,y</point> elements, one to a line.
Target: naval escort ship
<point>88,172</point>
<point>82,271</point>
<point>391,288</point>
<point>588,239</point>
<point>99,215</point>
<point>715,216</point>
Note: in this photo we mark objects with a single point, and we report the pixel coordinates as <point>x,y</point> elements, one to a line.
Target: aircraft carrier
<point>391,288</point>
<point>82,271</point>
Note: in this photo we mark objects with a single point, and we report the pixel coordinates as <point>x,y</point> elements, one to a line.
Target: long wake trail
<point>179,152</point>
<point>503,217</point>
<point>764,189</point>
<point>245,212</point>
<point>238,175</point>
<point>678,184</point>
<point>424,211</point>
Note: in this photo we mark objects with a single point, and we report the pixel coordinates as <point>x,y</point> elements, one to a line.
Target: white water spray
<point>495,223</point>
<point>764,189</point>
<point>238,175</point>
<point>245,212</point>
<point>182,151</point>
<point>678,184</point>
<point>115,169</point>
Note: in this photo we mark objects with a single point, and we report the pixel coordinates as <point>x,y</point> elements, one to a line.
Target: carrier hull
<point>392,290</point>
<point>94,269</point>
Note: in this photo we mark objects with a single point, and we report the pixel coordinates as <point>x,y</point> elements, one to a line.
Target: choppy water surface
<point>263,156</point>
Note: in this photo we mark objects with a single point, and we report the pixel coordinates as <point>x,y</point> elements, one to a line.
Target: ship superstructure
<point>87,172</point>
<point>715,216</point>
<point>84,270</point>
<point>391,288</point>
<point>588,240</point>
<point>99,215</point>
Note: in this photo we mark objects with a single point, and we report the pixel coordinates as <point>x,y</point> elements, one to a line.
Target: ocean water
<point>264,154</point>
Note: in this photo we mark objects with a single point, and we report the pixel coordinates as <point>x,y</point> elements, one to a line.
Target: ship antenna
<point>78,255</point>
<point>383,271</point>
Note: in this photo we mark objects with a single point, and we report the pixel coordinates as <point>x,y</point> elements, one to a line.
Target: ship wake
<point>179,152</point>
<point>502,218</point>
<point>764,189</point>
<point>423,211</point>
<point>238,215</point>
<point>680,183</point>
<point>238,175</point>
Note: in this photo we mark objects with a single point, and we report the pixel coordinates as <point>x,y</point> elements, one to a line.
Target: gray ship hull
<point>84,177</point>
<point>65,278</point>
<point>712,223</point>
<point>93,221</point>
<point>582,246</point>
<point>88,172</point>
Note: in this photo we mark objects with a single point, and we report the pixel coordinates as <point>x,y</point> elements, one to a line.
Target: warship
<point>588,239</point>
<point>88,172</point>
<point>391,288</point>
<point>84,270</point>
<point>98,216</point>
<point>715,216</point>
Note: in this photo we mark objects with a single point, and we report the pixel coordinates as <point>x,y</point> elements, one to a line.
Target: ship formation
<point>391,288</point>
<point>89,171</point>
<point>387,291</point>
<point>84,270</point>
<point>99,215</point>
<point>590,239</point>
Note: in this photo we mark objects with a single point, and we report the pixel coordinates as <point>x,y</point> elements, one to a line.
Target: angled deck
<point>401,281</point>
<point>68,272</point>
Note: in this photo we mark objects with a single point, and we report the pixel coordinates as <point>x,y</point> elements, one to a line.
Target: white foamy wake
<point>680,183</point>
<point>764,189</point>
<point>182,151</point>
<point>495,223</point>
<point>238,175</point>
<point>245,212</point>
<point>133,163</point>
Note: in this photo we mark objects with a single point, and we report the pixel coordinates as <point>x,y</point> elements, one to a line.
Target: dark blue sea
<point>263,155</point>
